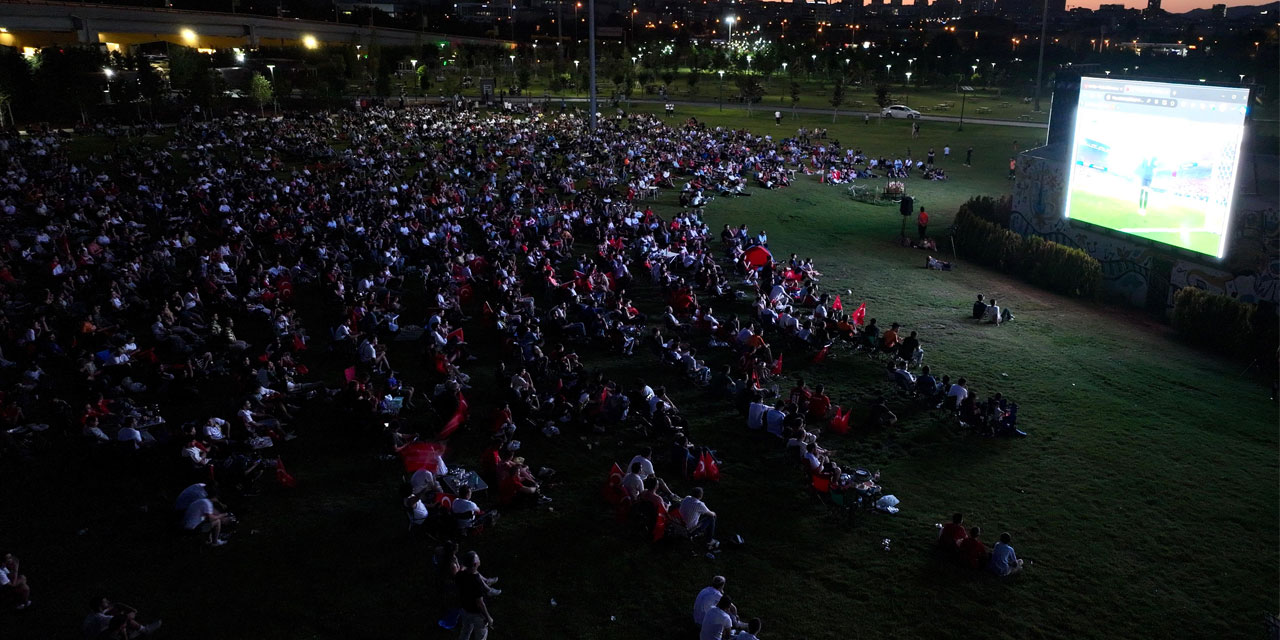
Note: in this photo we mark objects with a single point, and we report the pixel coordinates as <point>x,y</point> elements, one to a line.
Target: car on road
<point>899,111</point>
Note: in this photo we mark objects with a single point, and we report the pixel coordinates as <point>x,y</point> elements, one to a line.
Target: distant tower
<point>1153,7</point>
<point>1218,11</point>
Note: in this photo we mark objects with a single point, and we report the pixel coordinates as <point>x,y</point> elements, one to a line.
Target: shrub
<point>1048,264</point>
<point>1219,322</point>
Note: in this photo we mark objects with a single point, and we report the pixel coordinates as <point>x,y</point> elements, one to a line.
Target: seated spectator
<point>952,534</point>
<point>109,619</point>
<point>718,621</point>
<point>881,416</point>
<point>753,630</point>
<point>707,599</point>
<point>1004,561</point>
<point>992,313</point>
<point>819,404</point>
<point>203,517</point>
<point>973,553</point>
<point>468,513</point>
<point>926,384</point>
<point>698,519</point>
<point>15,592</point>
<point>979,308</point>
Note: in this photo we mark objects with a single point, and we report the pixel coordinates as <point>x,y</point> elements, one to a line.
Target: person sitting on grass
<point>15,592</point>
<point>708,598</point>
<point>1004,561</point>
<point>926,384</point>
<point>881,415</point>
<point>719,621</point>
<point>109,619</point>
<point>979,308</point>
<point>699,519</point>
<point>952,534</point>
<point>203,517</point>
<point>819,403</point>
<point>992,313</point>
<point>973,553</point>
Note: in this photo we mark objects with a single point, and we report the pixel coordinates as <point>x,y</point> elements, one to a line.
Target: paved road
<point>769,109</point>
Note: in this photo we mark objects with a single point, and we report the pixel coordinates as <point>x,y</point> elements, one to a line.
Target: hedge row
<point>1047,264</point>
<point>1224,323</point>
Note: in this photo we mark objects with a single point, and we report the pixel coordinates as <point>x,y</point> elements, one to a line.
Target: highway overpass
<point>31,25</point>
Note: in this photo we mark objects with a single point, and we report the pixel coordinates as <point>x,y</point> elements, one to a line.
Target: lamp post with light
<point>729,20</point>
<point>275,103</point>
<point>720,99</point>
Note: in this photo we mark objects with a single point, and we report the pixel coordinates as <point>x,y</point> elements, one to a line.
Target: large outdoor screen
<point>1157,160</point>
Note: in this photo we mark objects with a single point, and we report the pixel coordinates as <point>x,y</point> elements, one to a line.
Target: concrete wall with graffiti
<point>1250,273</point>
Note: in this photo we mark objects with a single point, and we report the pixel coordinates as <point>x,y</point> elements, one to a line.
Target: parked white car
<point>899,111</point>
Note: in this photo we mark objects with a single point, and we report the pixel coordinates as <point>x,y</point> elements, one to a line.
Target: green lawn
<point>1147,492</point>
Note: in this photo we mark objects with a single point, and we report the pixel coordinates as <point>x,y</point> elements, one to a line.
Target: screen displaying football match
<point>1157,160</point>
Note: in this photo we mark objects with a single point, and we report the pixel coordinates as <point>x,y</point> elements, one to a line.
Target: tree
<point>150,84</point>
<point>837,97</point>
<point>750,88</point>
<point>795,97</point>
<point>883,99</point>
<point>523,77</point>
<point>260,90</point>
<point>692,80</point>
<point>668,78</point>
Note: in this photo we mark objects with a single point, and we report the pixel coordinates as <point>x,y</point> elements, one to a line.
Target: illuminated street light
<point>729,20</point>
<point>188,36</point>
<point>309,41</point>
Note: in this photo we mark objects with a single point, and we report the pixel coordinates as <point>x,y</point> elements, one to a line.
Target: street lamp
<point>784,67</point>
<point>275,103</point>
<point>720,98</point>
<point>109,72</point>
<point>908,77</point>
<point>748,64</point>
<point>729,20</point>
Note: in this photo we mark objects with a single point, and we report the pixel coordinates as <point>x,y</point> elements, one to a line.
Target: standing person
<point>1146,171</point>
<point>1004,561</point>
<point>1013,167</point>
<point>968,157</point>
<point>928,159</point>
<point>777,118</point>
<point>922,220</point>
<point>915,130</point>
<point>946,152</point>
<point>475,621</point>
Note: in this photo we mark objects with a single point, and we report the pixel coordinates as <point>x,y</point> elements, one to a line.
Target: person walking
<point>922,222</point>
<point>946,152</point>
<point>968,157</point>
<point>777,118</point>
<point>474,622</point>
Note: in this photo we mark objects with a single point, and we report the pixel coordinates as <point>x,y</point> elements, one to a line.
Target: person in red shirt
<point>819,403</point>
<point>952,534</point>
<point>973,553</point>
<point>922,222</point>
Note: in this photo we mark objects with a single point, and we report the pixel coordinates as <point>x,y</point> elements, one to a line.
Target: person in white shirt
<point>114,620</point>
<point>774,418</point>
<point>633,483</point>
<point>755,414</point>
<point>13,585</point>
<point>992,314</point>
<point>959,392</point>
<point>707,598</point>
<point>719,621</point>
<point>697,517</point>
<point>753,628</point>
<point>192,493</point>
<point>202,516</point>
<point>645,460</point>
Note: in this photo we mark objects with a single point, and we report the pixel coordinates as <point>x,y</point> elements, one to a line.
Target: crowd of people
<point>137,278</point>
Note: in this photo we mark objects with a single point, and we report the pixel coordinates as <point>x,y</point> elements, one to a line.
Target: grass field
<point>1147,492</point>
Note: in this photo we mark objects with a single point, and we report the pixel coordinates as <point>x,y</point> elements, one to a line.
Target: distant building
<point>1218,11</point>
<point>1057,6</point>
<point>1153,7</point>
